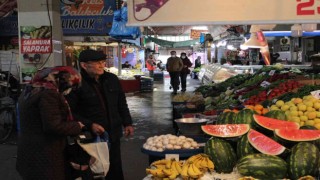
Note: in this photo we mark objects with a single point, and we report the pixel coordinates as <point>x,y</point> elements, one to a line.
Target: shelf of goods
<point>216,73</point>
<point>266,126</point>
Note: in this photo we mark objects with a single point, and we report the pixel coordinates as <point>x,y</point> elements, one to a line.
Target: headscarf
<point>61,78</point>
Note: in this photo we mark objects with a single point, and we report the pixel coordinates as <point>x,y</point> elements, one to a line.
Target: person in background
<point>261,61</point>
<point>274,58</point>
<point>197,62</point>
<point>185,71</point>
<point>151,65</point>
<point>100,104</point>
<point>174,66</point>
<point>46,121</point>
<point>126,65</point>
<point>138,65</point>
<point>237,61</point>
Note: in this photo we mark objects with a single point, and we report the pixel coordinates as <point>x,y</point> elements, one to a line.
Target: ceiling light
<point>213,45</point>
<point>296,30</point>
<point>256,40</point>
<point>205,28</point>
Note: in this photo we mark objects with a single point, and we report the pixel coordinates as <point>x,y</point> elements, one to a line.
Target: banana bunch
<point>202,162</point>
<point>165,169</point>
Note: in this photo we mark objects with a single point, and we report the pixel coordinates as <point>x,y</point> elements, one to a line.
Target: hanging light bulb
<point>296,30</point>
<point>309,27</point>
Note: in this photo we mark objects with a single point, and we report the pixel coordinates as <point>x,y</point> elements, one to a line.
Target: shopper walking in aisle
<point>185,71</point>
<point>174,66</point>
<point>197,62</point>
<point>101,104</point>
<point>46,121</point>
<point>151,65</point>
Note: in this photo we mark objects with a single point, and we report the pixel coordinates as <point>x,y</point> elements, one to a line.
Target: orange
<point>250,107</point>
<point>265,110</point>
<point>235,110</point>
<point>227,110</point>
<point>258,112</point>
<point>258,107</point>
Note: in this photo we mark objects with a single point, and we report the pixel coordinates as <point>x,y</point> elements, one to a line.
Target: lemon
<point>296,119</point>
<point>297,100</point>
<point>317,120</point>
<point>280,103</point>
<point>317,126</point>
<point>293,108</point>
<point>274,107</point>
<point>310,109</point>
<point>300,113</point>
<point>294,113</point>
<point>292,99</point>
<point>312,115</point>
<point>303,118</point>
<point>310,122</point>
<point>285,107</point>
<point>316,105</point>
<point>301,123</point>
<point>302,107</point>
<point>318,114</point>
<point>308,103</point>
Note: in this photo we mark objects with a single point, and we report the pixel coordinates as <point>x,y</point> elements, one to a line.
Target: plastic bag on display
<point>119,29</point>
<point>99,150</point>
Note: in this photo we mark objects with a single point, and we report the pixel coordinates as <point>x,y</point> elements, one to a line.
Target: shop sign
<point>191,12</point>
<point>195,34</point>
<point>284,44</point>
<point>92,17</point>
<point>36,40</point>
<point>9,26</point>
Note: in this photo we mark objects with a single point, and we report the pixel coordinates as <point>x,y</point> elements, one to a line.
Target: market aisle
<point>151,112</point>
<point>152,115</point>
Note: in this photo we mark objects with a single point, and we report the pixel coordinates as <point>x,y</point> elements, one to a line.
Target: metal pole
<point>119,59</point>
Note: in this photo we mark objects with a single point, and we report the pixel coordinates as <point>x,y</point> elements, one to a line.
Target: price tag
<point>316,94</point>
<point>172,156</point>
<point>274,101</point>
<point>265,84</point>
<point>263,73</point>
<point>269,92</point>
<point>271,73</point>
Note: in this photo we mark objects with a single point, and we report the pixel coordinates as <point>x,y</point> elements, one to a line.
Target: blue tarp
<point>119,29</point>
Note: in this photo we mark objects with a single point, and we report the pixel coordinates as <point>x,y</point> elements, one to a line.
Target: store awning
<point>171,44</point>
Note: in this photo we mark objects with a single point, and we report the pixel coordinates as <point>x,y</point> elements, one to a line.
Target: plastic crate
<point>146,85</point>
<point>158,76</point>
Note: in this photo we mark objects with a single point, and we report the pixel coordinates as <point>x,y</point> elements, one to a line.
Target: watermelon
<point>304,160</point>
<point>222,154</point>
<point>245,116</point>
<point>268,125</point>
<point>262,166</point>
<point>276,114</point>
<point>298,135</point>
<point>226,118</point>
<point>225,130</point>
<point>244,147</point>
<point>264,144</point>
<point>308,127</point>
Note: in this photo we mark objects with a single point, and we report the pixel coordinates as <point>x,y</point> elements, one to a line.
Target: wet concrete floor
<point>152,115</point>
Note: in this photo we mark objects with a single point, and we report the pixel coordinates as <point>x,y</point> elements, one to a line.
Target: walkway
<point>152,115</point>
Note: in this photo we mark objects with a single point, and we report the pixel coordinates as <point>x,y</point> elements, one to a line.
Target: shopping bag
<point>99,150</point>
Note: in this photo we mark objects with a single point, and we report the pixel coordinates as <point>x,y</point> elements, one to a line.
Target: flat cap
<point>91,55</point>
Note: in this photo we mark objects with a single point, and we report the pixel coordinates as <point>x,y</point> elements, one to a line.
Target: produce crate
<point>146,84</point>
<point>158,76</point>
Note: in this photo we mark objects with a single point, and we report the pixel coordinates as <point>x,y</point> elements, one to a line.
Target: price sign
<point>274,101</point>
<point>265,84</point>
<point>307,8</point>
<point>172,156</point>
<point>316,94</point>
<point>271,73</point>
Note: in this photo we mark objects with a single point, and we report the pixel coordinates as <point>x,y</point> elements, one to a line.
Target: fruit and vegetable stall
<point>264,125</point>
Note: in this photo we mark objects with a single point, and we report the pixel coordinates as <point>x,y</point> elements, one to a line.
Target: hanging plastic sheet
<point>119,29</point>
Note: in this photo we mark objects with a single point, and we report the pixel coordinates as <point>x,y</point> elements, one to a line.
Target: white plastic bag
<point>99,150</point>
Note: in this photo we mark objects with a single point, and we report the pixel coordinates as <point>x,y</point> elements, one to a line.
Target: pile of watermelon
<point>263,147</point>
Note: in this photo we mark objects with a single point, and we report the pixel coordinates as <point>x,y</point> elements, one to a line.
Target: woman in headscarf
<point>46,122</point>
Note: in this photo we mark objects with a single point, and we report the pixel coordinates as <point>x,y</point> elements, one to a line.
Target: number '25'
<point>306,8</point>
